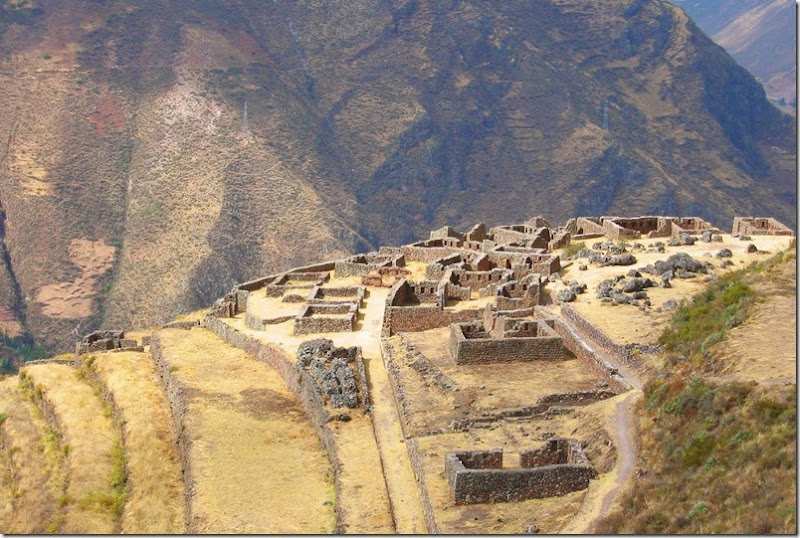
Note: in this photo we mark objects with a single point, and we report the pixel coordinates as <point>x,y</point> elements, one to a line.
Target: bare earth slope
<point>133,187</point>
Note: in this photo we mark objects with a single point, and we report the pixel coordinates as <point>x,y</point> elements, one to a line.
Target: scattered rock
<point>745,238</point>
<point>750,248</point>
<point>633,286</point>
<point>582,268</point>
<point>670,304</point>
<point>634,273</point>
<point>706,237</point>
<point>716,238</point>
<point>724,253</point>
<point>621,259</point>
<point>565,296</point>
<point>687,239</point>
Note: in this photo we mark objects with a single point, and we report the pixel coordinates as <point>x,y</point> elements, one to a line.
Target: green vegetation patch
<point>701,323</point>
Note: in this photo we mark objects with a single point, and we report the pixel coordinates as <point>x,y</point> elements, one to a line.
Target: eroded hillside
<point>133,188</point>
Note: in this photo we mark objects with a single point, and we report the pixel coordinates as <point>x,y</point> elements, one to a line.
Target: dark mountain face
<point>134,188</point>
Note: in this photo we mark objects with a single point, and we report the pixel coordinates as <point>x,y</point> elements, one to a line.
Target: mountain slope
<point>759,34</point>
<point>133,189</point>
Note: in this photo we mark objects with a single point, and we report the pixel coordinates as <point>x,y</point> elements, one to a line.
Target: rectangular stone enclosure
<point>557,468</point>
<point>523,340</point>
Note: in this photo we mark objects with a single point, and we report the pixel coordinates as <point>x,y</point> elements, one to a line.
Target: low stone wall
<point>337,295</point>
<point>319,318</point>
<point>493,350</point>
<point>257,323</point>
<point>417,465</point>
<point>478,476</point>
<point>175,396</point>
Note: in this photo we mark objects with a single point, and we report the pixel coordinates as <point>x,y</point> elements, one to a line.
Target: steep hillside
<point>133,185</point>
<point>760,34</point>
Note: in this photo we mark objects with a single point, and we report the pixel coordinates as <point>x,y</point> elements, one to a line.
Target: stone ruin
<point>110,340</point>
<point>759,226</point>
<point>557,468</point>
<point>337,372</point>
<point>505,339</point>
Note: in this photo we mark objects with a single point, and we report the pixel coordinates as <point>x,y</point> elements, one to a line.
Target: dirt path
<point>626,437</point>
<point>409,517</point>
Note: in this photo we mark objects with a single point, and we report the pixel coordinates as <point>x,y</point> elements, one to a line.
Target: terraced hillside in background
<point>133,189</point>
<point>223,423</point>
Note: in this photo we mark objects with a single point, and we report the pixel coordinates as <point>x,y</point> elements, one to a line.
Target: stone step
<point>155,502</point>
<point>34,461</point>
<point>94,454</point>
<point>252,460</point>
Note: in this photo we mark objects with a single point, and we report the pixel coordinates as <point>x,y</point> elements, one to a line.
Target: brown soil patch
<point>155,490</point>
<point>89,434</point>
<point>256,467</point>
<point>107,114</point>
<point>73,300</point>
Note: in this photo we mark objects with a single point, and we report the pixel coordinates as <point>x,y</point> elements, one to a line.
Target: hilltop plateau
<point>607,375</point>
<point>133,187</point>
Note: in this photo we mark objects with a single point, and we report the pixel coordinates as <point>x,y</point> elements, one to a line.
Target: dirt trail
<point>409,517</point>
<point>626,437</point>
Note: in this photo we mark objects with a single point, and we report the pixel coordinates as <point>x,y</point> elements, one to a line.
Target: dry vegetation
<point>35,463</point>
<point>154,485</point>
<point>718,457</point>
<point>93,499</point>
<point>256,462</point>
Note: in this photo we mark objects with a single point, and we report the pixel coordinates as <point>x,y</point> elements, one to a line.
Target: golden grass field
<point>89,437</point>
<point>36,473</point>
<point>256,462</point>
<point>154,489</point>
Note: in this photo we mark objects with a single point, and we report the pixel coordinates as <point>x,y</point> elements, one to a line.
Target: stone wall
<point>759,226</point>
<point>478,476</point>
<point>326,318</point>
<point>421,318</point>
<point>486,350</point>
<point>339,294</point>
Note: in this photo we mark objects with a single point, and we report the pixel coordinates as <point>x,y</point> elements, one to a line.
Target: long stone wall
<point>759,226</point>
<point>422,318</point>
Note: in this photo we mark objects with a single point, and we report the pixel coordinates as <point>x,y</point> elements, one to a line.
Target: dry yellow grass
<point>256,462</point>
<point>89,437</point>
<point>399,476</point>
<point>36,464</point>
<point>550,515</point>
<point>155,489</point>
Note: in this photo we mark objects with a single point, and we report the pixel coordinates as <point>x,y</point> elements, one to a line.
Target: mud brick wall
<point>502,485</point>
